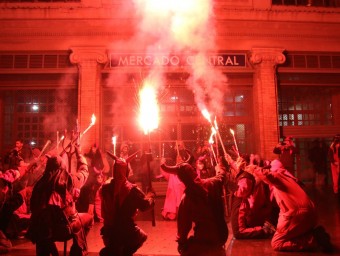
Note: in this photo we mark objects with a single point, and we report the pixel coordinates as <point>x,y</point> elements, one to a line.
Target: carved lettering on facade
<point>133,60</point>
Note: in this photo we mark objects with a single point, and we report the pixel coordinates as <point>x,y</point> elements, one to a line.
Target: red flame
<point>149,110</point>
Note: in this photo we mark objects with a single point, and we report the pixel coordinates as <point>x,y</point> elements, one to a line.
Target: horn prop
<point>170,169</point>
<point>190,158</point>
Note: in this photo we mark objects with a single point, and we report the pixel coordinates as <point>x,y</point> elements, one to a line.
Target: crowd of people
<point>56,196</point>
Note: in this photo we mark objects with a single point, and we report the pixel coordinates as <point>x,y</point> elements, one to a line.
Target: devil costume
<point>54,217</point>
<point>202,205</point>
<point>9,202</point>
<point>120,202</point>
<point>251,207</point>
<point>296,228</point>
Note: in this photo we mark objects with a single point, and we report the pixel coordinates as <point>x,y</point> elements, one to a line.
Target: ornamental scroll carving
<point>273,56</point>
<point>88,56</point>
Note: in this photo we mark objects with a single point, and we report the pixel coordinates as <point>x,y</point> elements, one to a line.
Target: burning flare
<point>148,108</point>
<point>114,143</point>
<point>213,133</point>
<point>235,143</point>
<point>211,142</point>
<point>93,121</point>
<point>206,115</point>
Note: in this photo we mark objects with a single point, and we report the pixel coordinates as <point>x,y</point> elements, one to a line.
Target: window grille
<point>36,115</point>
<point>33,61</point>
<point>312,61</point>
<point>299,106</point>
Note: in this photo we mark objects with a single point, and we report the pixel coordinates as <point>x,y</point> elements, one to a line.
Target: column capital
<point>81,55</point>
<point>272,56</point>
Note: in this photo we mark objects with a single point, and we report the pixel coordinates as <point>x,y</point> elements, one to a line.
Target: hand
<point>76,193</point>
<point>150,192</point>
<point>268,228</point>
<point>228,158</point>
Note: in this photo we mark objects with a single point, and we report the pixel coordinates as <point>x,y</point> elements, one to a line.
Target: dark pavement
<point>161,238</point>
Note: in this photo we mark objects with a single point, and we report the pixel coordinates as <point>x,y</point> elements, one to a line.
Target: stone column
<point>90,61</point>
<point>265,61</point>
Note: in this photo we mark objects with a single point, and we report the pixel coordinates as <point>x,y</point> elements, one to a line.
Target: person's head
<point>121,168</point>
<point>288,140</point>
<point>246,182</point>
<point>100,178</point>
<point>275,165</point>
<point>336,138</point>
<point>19,143</point>
<point>94,148</point>
<point>6,180</point>
<point>257,160</point>
<point>124,149</point>
<point>200,163</point>
<point>54,163</point>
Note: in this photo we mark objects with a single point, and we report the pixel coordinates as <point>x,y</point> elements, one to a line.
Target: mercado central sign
<point>173,60</point>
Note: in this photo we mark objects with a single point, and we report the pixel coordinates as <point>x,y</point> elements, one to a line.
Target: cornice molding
<point>60,34</point>
<point>18,35</point>
<point>277,35</point>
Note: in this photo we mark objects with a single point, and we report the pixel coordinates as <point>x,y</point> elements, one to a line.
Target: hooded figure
<point>334,159</point>
<point>120,202</point>
<point>288,153</point>
<point>54,217</point>
<point>297,228</point>
<point>202,206</point>
<point>9,202</point>
<point>251,207</point>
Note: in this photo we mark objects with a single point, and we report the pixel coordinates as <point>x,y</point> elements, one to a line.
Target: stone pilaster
<point>90,61</point>
<point>265,61</point>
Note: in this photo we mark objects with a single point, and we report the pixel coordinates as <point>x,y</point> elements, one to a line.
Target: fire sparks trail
<point>114,143</point>
<point>235,143</point>
<point>206,115</point>
<point>93,121</point>
<point>214,127</point>
<point>211,142</point>
<point>149,110</point>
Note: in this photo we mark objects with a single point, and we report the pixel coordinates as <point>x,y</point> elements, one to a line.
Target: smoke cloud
<point>181,27</point>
